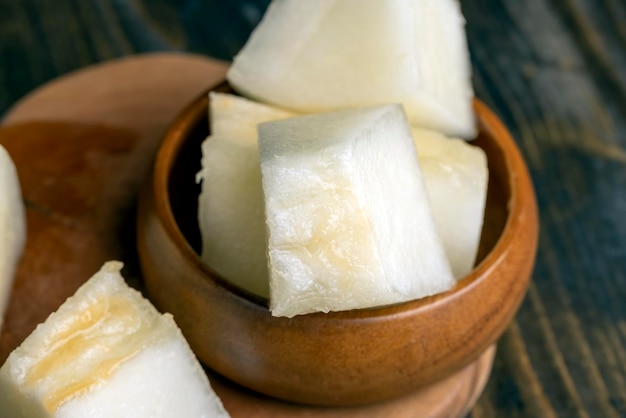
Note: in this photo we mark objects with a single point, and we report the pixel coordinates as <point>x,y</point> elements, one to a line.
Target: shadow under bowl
<point>340,358</point>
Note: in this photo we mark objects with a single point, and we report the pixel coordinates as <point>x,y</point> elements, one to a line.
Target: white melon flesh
<point>106,352</point>
<point>348,219</point>
<point>12,227</point>
<point>231,210</point>
<point>456,176</point>
<point>323,55</point>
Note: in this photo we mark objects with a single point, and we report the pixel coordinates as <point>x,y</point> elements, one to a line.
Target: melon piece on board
<point>348,218</point>
<point>324,55</point>
<point>231,209</point>
<point>106,352</point>
<point>12,227</point>
<point>456,176</point>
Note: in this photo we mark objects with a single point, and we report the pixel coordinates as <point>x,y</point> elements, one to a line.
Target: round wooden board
<point>83,144</point>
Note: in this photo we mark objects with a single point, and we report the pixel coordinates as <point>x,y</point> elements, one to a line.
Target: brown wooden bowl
<point>339,358</point>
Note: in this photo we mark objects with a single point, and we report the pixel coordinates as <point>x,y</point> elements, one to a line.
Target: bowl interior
<point>184,191</point>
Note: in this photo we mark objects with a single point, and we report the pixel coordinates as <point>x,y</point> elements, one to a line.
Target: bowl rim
<point>517,207</point>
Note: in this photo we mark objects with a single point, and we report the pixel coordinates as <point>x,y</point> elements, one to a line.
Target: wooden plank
<point>537,72</point>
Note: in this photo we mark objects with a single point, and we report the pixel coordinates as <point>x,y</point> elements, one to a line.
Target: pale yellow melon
<point>322,55</point>
<point>12,227</point>
<point>230,208</point>
<point>348,218</point>
<point>106,352</point>
<point>456,176</point>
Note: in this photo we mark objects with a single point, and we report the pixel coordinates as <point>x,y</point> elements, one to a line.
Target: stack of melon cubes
<point>336,184</point>
<point>335,181</point>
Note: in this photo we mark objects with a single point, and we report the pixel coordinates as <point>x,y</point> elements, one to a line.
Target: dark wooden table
<point>553,70</point>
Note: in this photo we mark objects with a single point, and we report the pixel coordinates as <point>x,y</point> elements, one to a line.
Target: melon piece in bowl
<point>456,177</point>
<point>348,218</point>
<point>230,206</point>
<point>313,56</point>
<point>231,215</point>
<point>106,352</point>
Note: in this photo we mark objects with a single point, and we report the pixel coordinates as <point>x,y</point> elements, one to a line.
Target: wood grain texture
<point>553,70</point>
<point>554,73</point>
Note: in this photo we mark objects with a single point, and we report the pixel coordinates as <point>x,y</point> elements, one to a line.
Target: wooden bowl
<point>340,358</point>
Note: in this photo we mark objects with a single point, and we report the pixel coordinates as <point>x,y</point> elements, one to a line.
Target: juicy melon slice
<point>456,176</point>
<point>106,352</point>
<point>230,207</point>
<point>12,227</point>
<point>314,56</point>
<point>348,219</point>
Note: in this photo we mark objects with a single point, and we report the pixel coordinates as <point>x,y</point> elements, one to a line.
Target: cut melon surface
<point>12,227</point>
<point>230,207</point>
<point>334,54</point>
<point>348,218</point>
<point>106,352</point>
<point>456,177</point>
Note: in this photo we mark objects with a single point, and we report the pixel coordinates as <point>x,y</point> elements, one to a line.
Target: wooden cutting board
<point>83,145</point>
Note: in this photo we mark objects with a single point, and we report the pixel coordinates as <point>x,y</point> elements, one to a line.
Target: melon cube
<point>12,227</point>
<point>348,218</point>
<point>323,55</point>
<point>230,207</point>
<point>106,352</point>
<point>456,176</point>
